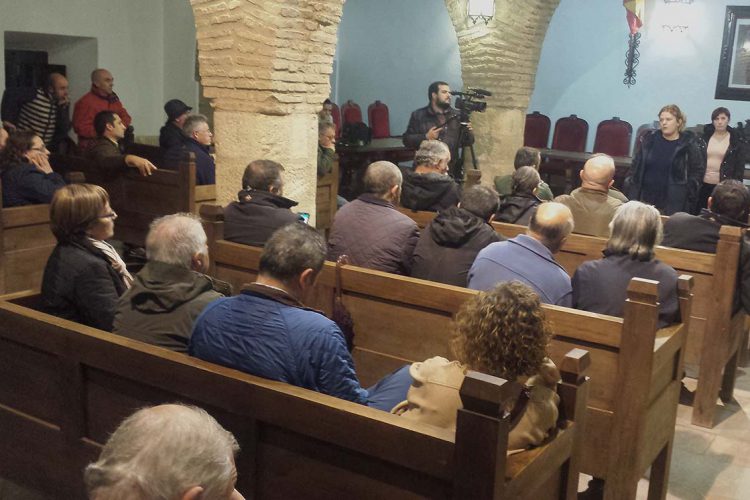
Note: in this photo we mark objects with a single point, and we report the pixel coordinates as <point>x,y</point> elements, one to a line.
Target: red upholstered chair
<point>570,134</point>
<point>336,115</point>
<point>613,137</point>
<point>536,130</point>
<point>377,114</point>
<point>350,112</point>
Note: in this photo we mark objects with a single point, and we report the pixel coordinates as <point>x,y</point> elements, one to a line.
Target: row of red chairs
<point>377,114</point>
<point>612,136</point>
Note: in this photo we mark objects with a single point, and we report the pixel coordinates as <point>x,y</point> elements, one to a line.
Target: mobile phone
<point>305,216</point>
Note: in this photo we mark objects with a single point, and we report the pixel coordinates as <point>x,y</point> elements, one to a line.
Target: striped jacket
<point>39,115</point>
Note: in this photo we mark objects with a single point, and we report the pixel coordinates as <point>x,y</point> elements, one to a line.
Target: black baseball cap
<point>175,108</point>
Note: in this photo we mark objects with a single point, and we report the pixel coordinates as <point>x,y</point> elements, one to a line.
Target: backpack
<point>356,134</point>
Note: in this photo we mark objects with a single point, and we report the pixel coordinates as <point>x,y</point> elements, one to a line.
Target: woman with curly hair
<point>502,332</point>
<point>26,173</point>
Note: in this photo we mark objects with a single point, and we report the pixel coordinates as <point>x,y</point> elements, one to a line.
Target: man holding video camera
<point>439,121</point>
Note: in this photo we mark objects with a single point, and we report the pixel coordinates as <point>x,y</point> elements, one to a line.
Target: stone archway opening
<point>266,67</point>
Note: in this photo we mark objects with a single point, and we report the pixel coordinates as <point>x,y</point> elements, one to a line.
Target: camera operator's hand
<point>469,127</point>
<point>433,133</point>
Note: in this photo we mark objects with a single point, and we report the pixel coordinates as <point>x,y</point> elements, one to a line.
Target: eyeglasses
<point>112,215</point>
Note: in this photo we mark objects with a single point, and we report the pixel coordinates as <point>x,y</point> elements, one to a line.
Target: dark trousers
<point>703,195</point>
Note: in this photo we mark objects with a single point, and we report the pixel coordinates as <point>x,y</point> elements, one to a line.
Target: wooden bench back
<point>326,198</point>
<point>26,242</point>
<point>399,319</point>
<point>65,387</point>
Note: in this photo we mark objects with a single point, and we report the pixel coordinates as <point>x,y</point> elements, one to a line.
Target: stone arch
<point>265,65</point>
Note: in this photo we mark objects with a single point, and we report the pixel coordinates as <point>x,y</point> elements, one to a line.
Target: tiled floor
<point>712,463</point>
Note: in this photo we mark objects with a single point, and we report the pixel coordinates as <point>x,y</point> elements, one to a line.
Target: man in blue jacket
<point>268,332</point>
<point>198,138</point>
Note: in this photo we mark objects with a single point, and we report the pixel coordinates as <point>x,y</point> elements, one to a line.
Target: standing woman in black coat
<point>725,157</point>
<point>668,169</point>
<point>84,276</point>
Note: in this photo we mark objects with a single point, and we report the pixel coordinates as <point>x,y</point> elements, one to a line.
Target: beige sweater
<point>434,399</point>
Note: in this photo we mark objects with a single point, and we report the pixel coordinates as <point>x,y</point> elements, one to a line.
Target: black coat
<point>733,165</point>
<point>79,284</point>
<point>448,246</point>
<point>685,175</point>
<point>255,217</point>
<point>205,167</point>
<point>24,184</point>
<point>517,208</point>
<point>432,191</point>
<point>423,119</point>
<point>170,135</point>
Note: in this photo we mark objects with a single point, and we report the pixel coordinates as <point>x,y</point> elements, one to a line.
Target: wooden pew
<point>326,201</point>
<point>26,242</point>
<point>715,339</point>
<point>65,387</point>
<point>631,414</point>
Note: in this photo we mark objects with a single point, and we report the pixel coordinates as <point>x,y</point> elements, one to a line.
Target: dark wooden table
<point>353,161</point>
<point>569,163</point>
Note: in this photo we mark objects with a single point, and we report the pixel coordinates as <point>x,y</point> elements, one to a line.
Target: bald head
<point>551,225</point>
<point>102,80</point>
<point>57,87</point>
<point>598,173</point>
<point>383,179</point>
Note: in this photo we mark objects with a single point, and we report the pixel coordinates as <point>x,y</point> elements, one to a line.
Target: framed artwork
<point>733,80</point>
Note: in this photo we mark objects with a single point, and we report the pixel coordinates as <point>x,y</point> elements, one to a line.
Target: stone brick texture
<point>261,59</point>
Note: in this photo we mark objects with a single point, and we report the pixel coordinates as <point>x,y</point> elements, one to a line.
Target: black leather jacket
<point>685,176</point>
<point>733,165</point>
<point>423,119</point>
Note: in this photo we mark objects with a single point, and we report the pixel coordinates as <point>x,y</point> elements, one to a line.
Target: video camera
<point>470,101</point>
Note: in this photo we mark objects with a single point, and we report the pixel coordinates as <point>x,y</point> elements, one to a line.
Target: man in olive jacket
<point>171,290</point>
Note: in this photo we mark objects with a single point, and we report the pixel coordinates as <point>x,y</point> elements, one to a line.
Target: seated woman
<point>26,173</point>
<point>600,286</point>
<point>502,333</point>
<point>518,207</point>
<point>84,276</point>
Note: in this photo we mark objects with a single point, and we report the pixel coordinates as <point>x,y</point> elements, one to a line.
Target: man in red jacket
<point>100,98</point>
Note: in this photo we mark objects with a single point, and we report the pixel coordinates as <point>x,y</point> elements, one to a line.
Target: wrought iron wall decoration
<point>634,10</point>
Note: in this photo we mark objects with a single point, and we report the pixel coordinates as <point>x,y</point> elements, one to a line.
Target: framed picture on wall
<point>733,80</point>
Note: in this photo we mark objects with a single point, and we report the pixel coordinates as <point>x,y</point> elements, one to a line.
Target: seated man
<point>428,186</point>
<point>370,231</point>
<point>326,147</point>
<point>525,157</point>
<point>261,208</point>
<point>106,150</point>
<point>592,208</point>
<point>268,332</point>
<point>170,134</point>
<point>167,451</point>
<point>449,244</point>
<point>520,205</point>
<point>729,204</point>
<point>528,258</point>
<point>169,293</point>
<point>197,139</point>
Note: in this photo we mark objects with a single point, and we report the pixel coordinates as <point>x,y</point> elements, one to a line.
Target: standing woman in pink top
<point>725,154</point>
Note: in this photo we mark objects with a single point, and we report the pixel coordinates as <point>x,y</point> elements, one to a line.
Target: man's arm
<point>124,116</point>
<point>414,134</point>
<point>83,119</point>
<point>335,373</point>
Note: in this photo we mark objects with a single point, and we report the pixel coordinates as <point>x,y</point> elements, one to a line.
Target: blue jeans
<point>390,390</point>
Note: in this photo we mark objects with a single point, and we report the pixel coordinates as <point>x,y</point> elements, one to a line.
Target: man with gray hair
<point>261,208</point>
<point>519,206</point>
<point>171,290</point>
<point>370,231</point>
<point>197,140</point>
<point>592,206</point>
<point>428,186</point>
<point>528,258</point>
<point>267,331</point>
<point>168,451</point>
<point>451,241</point>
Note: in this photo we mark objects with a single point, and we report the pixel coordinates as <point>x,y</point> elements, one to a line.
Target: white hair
<point>159,453</point>
<point>635,230</point>
<point>431,153</point>
<point>175,239</point>
<point>192,122</point>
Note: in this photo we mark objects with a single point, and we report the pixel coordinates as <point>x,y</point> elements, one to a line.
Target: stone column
<point>501,57</point>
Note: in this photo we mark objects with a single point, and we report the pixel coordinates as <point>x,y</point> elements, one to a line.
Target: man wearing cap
<point>171,133</point>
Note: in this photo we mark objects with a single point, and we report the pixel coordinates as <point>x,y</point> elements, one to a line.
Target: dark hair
<point>481,201</point>
<point>102,119</point>
<point>433,89</point>
<point>731,199</point>
<point>527,157</point>
<point>327,101</point>
<point>525,180</point>
<point>18,144</point>
<point>720,111</point>
<point>262,175</point>
<point>291,250</point>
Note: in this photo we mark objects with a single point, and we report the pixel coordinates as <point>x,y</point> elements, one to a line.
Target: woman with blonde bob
<point>502,332</point>
<point>84,276</point>
<point>668,167</point>
<point>601,286</point>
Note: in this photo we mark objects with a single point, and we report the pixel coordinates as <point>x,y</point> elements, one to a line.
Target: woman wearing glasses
<point>26,173</point>
<point>84,276</point>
